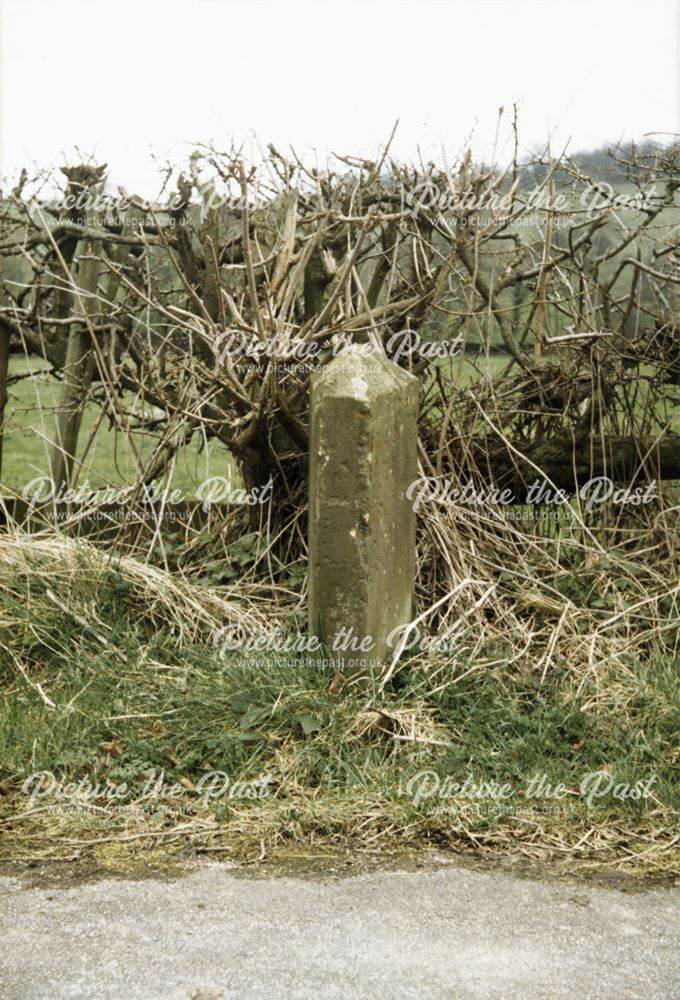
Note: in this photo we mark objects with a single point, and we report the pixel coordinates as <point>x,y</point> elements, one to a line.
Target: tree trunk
<point>4,367</point>
<point>78,366</point>
<point>78,371</point>
<point>569,464</point>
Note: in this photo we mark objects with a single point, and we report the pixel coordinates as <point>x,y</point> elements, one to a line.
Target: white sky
<point>121,79</point>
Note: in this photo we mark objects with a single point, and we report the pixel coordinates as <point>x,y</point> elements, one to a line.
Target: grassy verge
<point>109,679</point>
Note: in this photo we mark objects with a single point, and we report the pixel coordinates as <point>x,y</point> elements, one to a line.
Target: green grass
<point>235,716</point>
<point>342,765</point>
<point>29,430</point>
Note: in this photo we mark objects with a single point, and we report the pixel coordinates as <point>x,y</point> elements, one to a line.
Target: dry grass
<point>109,674</point>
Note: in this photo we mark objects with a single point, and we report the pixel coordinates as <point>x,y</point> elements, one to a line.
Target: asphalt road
<point>451,932</point>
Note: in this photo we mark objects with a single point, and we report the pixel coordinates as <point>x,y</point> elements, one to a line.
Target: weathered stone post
<point>363,457</point>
